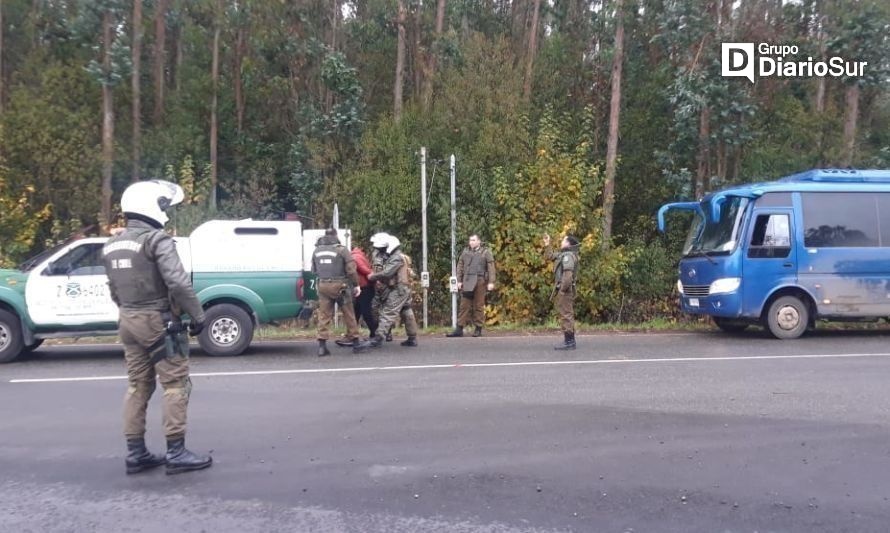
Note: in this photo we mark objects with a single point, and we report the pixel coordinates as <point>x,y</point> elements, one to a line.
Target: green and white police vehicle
<point>246,273</point>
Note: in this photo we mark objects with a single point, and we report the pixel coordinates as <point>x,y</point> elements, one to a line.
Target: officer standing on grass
<point>149,285</point>
<point>475,278</point>
<point>565,277</point>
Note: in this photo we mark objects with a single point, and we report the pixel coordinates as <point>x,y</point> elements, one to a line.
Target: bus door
<point>770,257</point>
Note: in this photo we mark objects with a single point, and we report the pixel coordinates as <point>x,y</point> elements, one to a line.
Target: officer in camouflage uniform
<point>150,286</point>
<point>396,300</point>
<point>378,258</point>
<point>337,282</point>
<point>475,276</point>
<point>566,274</point>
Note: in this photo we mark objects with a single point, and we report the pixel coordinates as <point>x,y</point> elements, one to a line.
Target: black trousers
<point>363,308</point>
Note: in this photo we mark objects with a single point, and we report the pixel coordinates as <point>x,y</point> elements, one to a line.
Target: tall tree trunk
<point>2,77</point>
<point>177,62</point>
<point>851,115</point>
<point>532,49</point>
<point>430,73</point>
<point>335,15</point>
<point>137,86</point>
<point>819,104</point>
<point>214,126</point>
<point>240,52</point>
<point>107,119</point>
<point>518,23</point>
<point>416,55</point>
<point>704,151</point>
<point>614,122</point>
<point>160,54</point>
<point>400,62</point>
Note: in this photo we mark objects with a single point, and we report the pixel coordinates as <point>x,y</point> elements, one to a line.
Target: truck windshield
<point>707,237</point>
<point>39,258</point>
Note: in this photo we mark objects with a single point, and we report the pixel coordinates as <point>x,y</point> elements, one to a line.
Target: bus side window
<point>771,237</point>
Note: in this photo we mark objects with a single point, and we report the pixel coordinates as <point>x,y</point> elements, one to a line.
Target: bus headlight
<point>680,286</point>
<point>725,285</point>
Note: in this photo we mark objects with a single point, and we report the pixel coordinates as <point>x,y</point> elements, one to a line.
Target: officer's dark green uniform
<point>475,270</point>
<point>566,264</point>
<point>150,286</point>
<point>337,279</point>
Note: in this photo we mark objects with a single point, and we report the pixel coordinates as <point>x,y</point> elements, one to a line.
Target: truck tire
<point>228,330</point>
<point>729,326</point>
<point>11,341</point>
<point>787,317</point>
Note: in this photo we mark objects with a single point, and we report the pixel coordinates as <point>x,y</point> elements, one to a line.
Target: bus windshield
<point>707,237</point>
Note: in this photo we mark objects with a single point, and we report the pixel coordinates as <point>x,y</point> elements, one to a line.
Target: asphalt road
<point>688,432</point>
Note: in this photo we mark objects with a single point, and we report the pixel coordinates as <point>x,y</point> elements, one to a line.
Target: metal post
<point>453,242</point>
<point>335,223</point>
<point>423,214</point>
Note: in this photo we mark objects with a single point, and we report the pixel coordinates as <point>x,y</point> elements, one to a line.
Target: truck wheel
<point>11,342</point>
<point>228,330</point>
<point>787,317</point>
<point>729,326</point>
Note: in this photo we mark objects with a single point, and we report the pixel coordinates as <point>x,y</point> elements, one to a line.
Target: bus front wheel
<point>787,317</point>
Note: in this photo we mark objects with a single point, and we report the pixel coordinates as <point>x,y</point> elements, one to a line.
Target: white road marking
<point>469,365</point>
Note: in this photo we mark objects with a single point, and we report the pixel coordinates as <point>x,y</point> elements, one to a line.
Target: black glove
<point>174,326</point>
<point>195,328</point>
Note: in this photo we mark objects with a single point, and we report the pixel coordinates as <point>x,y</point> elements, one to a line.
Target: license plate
<point>693,302</point>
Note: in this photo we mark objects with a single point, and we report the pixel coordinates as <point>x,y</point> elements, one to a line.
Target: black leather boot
<point>568,343</point>
<point>323,348</point>
<point>347,343</point>
<point>412,341</point>
<point>389,335</point>
<point>458,332</point>
<point>180,459</point>
<point>139,458</point>
<point>373,342</point>
<point>478,331</point>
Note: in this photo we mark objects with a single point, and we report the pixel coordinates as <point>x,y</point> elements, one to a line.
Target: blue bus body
<point>814,245</point>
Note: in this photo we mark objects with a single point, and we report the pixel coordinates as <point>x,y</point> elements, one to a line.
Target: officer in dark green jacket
<point>565,272</point>
<point>151,289</point>
<point>337,282</point>
<point>475,278</point>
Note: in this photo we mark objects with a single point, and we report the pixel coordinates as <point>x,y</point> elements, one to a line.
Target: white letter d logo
<point>737,60</point>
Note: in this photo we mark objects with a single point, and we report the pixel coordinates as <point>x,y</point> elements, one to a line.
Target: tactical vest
<point>135,277</point>
<point>328,261</point>
<point>559,263</point>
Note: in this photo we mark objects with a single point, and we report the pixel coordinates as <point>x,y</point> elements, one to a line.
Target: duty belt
<point>332,279</point>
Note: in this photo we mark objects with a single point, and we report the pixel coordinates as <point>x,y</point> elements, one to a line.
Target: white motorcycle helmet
<point>392,243</point>
<point>151,199</point>
<point>380,240</point>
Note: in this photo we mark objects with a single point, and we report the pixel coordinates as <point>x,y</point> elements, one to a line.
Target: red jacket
<point>362,266</point>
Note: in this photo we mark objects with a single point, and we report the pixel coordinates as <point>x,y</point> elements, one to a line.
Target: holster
<point>175,341</point>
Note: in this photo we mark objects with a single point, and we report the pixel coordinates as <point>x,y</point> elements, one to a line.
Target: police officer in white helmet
<point>151,288</point>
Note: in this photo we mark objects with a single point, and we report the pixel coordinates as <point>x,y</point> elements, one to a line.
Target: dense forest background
<point>577,116</point>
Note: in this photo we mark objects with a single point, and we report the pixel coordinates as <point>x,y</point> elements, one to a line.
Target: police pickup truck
<point>245,273</point>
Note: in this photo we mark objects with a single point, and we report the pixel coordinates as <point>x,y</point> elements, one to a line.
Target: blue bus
<point>813,245</point>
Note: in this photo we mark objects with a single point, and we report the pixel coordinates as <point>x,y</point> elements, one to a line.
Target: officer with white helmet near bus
<point>151,288</point>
